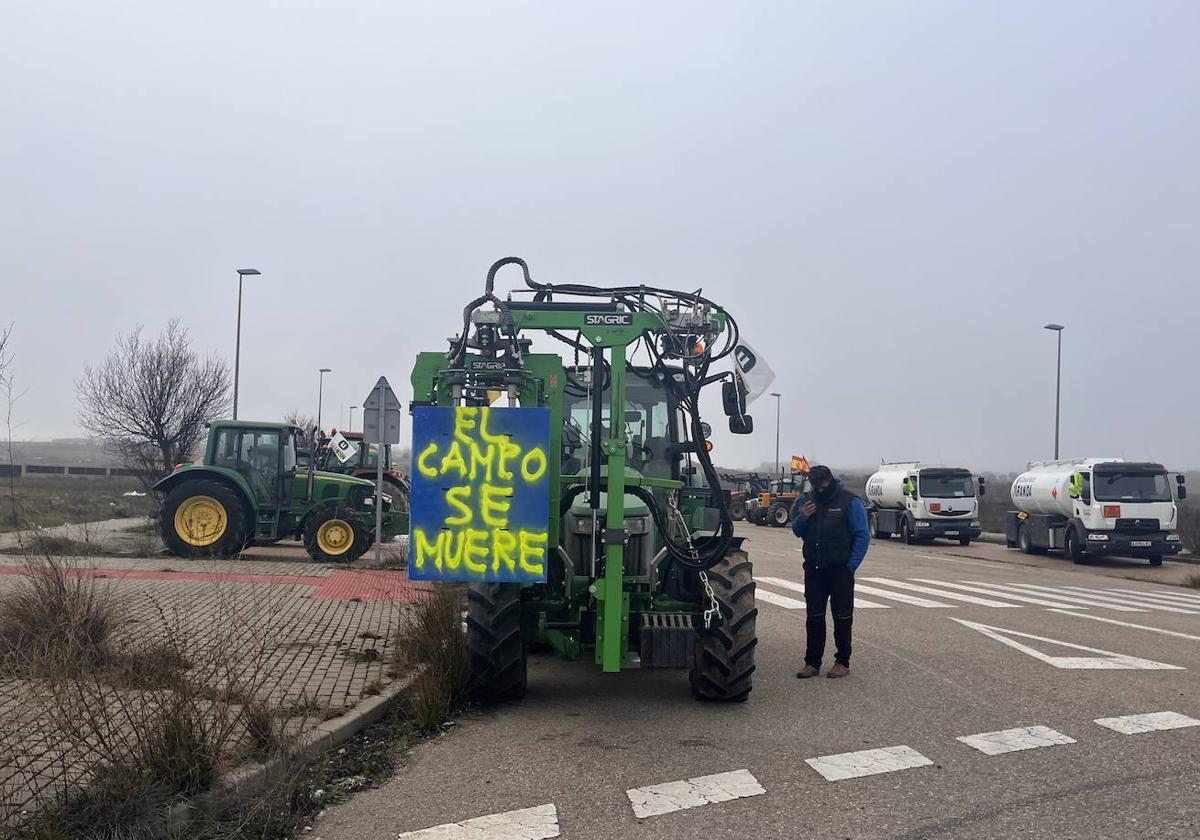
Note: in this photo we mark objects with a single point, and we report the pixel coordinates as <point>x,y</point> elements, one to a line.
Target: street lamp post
<point>778,401</point>
<point>237,350</point>
<point>352,410</point>
<point>320,393</point>
<point>1058,328</point>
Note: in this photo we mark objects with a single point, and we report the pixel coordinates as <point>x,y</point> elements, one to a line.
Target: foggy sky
<point>892,199</point>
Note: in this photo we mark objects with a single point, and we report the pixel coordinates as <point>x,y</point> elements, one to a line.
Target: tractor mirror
<point>742,425</point>
<point>733,399</point>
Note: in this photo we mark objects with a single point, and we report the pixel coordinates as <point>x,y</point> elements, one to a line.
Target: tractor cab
<point>249,488</point>
<point>365,464</point>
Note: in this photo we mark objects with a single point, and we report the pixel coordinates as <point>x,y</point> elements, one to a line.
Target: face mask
<point>827,493</point>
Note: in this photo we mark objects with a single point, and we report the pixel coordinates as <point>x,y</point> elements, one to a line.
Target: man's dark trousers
<point>833,584</point>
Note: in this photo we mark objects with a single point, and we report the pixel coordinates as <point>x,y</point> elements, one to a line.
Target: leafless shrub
<point>1192,580</point>
<point>432,643</point>
<point>56,619</point>
<point>149,400</point>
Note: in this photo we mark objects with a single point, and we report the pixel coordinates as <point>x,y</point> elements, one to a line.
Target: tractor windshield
<point>369,457</point>
<point>649,428</point>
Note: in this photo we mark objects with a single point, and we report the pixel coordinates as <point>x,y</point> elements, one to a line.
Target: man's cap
<point>820,473</point>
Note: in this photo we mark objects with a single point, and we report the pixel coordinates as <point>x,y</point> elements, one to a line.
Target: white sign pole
<point>379,483</point>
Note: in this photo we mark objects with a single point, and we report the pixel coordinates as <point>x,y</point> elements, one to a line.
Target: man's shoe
<point>807,671</point>
<point>838,670</point>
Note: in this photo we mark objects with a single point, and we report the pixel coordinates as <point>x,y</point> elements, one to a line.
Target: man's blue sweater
<point>856,518</point>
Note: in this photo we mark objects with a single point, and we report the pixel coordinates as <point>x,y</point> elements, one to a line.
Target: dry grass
<point>55,621</point>
<point>45,501</point>
<point>1192,580</point>
<point>433,643</point>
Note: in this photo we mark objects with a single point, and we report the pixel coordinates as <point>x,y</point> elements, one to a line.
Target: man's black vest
<point>828,539</point>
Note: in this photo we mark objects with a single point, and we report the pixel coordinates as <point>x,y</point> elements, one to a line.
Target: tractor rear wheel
<point>498,656</point>
<point>737,511</point>
<point>335,535</point>
<point>724,662</point>
<point>203,518</point>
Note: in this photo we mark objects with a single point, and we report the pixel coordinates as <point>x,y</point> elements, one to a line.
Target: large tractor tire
<point>780,515</point>
<point>498,655</point>
<point>724,663</point>
<point>737,511</point>
<point>204,518</point>
<point>335,535</point>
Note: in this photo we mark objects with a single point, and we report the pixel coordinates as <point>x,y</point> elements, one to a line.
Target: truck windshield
<point>946,486</point>
<point>1131,487</point>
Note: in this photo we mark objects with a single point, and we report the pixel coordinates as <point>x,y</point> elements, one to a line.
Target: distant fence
<point>30,470</point>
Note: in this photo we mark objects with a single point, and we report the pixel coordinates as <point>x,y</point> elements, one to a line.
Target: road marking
<point>991,565</point>
<point>904,599</point>
<point>1134,600</point>
<point>787,603</point>
<point>799,587</point>
<point>1015,740</point>
<point>1129,624</point>
<point>537,823</point>
<point>1153,722</point>
<point>1025,599</point>
<point>1170,597</point>
<point>692,793</point>
<point>852,765</point>
<point>1107,661</point>
<point>954,596</point>
<point>1056,595</point>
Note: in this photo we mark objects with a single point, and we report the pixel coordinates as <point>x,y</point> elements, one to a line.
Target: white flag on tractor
<point>753,371</point>
<point>342,448</point>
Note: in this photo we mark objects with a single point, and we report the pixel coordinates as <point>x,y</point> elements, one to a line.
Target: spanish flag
<point>799,464</point>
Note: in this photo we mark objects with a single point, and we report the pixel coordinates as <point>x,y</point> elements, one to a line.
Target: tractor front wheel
<point>498,655</point>
<point>335,536</point>
<point>724,664</point>
<point>204,518</point>
<point>780,515</point>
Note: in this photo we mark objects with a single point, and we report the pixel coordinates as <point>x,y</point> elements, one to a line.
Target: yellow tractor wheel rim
<point>201,520</point>
<point>335,536</point>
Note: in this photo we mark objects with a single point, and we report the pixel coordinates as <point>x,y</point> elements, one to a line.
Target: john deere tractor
<point>248,489</point>
<point>643,568</point>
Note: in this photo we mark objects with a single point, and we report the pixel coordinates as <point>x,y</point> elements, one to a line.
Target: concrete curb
<point>252,779</point>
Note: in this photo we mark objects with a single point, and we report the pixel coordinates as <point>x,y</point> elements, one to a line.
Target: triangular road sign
<point>1104,660</point>
<point>390,401</point>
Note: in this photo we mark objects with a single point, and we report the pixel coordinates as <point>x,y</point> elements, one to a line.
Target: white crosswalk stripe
<point>1153,722</point>
<point>859,603</point>
<point>692,793</point>
<point>953,596</point>
<point>1024,599</point>
<point>1057,595</point>
<point>540,823</point>
<point>852,765</point>
<point>1015,740</point>
<point>1136,600</point>
<point>1008,594</point>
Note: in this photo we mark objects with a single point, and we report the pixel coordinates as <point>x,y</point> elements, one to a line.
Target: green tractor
<point>248,489</point>
<point>643,568</point>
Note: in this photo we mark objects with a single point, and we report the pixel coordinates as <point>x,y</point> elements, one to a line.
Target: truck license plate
<point>952,533</point>
<point>1141,543</point>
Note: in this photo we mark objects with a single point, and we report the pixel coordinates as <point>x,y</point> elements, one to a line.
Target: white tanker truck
<point>923,502</point>
<point>1095,506</point>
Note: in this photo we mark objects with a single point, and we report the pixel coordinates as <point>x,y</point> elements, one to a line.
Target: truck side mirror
<point>741,425</point>
<point>982,486</point>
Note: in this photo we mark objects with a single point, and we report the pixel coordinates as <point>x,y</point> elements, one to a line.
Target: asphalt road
<point>925,672</point>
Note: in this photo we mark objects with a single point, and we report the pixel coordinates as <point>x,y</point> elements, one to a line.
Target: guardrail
<point>32,470</point>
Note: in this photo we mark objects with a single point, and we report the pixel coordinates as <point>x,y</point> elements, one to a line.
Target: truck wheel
<point>335,536</point>
<point>1025,542</point>
<point>737,511</point>
<point>964,541</point>
<point>498,657</point>
<point>1155,559</point>
<point>724,660</point>
<point>1073,549</point>
<point>906,534</point>
<point>203,518</point>
<point>779,515</point>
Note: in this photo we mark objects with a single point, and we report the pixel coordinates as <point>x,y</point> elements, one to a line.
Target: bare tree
<point>9,396</point>
<point>307,422</point>
<point>149,400</point>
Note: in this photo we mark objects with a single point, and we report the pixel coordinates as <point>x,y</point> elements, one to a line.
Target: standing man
<point>833,524</point>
